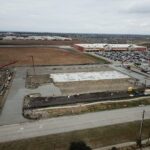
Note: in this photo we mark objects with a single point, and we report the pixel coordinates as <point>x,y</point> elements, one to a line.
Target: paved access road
<point>12,110</point>
<point>142,79</point>
<point>71,123</point>
<point>21,128</point>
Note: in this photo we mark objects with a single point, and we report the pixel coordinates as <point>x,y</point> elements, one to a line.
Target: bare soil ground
<point>69,88</point>
<point>37,80</point>
<point>82,108</point>
<point>38,42</point>
<point>44,56</point>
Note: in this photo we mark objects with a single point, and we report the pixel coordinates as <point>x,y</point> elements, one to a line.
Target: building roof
<point>95,45</point>
<point>119,45</point>
<point>137,46</point>
<point>103,45</point>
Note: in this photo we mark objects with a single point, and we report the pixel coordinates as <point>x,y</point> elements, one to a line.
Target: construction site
<point>85,84</point>
<point>64,76</point>
<point>78,84</point>
<point>58,83</point>
<point>67,74</point>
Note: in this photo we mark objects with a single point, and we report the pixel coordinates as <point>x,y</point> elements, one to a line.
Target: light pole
<point>33,64</point>
<point>141,129</point>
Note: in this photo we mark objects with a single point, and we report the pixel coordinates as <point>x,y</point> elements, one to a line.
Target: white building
<point>37,38</point>
<point>108,47</point>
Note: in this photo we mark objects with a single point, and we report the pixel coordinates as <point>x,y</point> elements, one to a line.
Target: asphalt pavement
<point>14,126</point>
<point>71,123</point>
<point>12,110</point>
<point>141,78</point>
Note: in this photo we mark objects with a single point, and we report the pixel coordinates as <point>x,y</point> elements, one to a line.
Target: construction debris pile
<point>32,102</point>
<point>5,79</point>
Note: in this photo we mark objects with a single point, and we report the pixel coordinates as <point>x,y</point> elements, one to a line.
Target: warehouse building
<point>90,47</point>
<point>125,47</point>
<point>108,47</point>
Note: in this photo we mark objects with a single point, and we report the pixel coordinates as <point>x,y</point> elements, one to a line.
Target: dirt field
<point>37,80</point>
<point>38,42</point>
<point>93,86</point>
<point>44,56</point>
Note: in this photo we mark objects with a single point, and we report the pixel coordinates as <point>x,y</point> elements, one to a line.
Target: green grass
<point>94,137</point>
<point>98,59</point>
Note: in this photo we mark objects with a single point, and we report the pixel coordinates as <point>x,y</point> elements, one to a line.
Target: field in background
<point>44,56</point>
<point>38,42</point>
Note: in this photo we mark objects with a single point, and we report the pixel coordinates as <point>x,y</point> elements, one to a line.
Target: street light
<point>33,64</point>
<point>139,140</point>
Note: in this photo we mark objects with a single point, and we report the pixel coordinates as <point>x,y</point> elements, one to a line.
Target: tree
<point>80,145</point>
<point>114,148</point>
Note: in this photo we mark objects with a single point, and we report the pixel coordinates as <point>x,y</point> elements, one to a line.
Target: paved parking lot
<point>126,56</point>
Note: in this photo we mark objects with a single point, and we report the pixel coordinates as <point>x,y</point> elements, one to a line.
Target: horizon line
<point>77,33</point>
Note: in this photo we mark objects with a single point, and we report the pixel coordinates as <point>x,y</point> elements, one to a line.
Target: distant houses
<point>36,38</point>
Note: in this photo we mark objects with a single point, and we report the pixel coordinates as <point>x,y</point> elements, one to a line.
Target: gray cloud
<point>92,16</point>
<point>139,7</point>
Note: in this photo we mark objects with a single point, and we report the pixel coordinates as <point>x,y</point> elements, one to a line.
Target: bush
<point>79,146</point>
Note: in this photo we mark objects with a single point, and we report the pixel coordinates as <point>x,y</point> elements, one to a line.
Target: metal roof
<point>103,45</point>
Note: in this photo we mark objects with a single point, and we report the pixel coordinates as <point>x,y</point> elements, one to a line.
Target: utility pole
<point>139,142</point>
<point>148,58</point>
<point>33,64</point>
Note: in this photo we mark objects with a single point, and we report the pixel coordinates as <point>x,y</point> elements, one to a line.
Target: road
<point>71,123</point>
<point>14,126</point>
<point>12,110</point>
<point>142,79</point>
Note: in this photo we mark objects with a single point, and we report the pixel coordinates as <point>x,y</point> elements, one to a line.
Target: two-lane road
<point>71,123</point>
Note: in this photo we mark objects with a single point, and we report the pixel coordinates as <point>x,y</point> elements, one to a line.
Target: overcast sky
<point>82,16</point>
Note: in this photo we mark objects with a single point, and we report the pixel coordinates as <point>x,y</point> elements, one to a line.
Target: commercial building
<point>108,47</point>
<point>90,47</point>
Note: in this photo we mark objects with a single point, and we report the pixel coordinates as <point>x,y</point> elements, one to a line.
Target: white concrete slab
<point>85,76</point>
